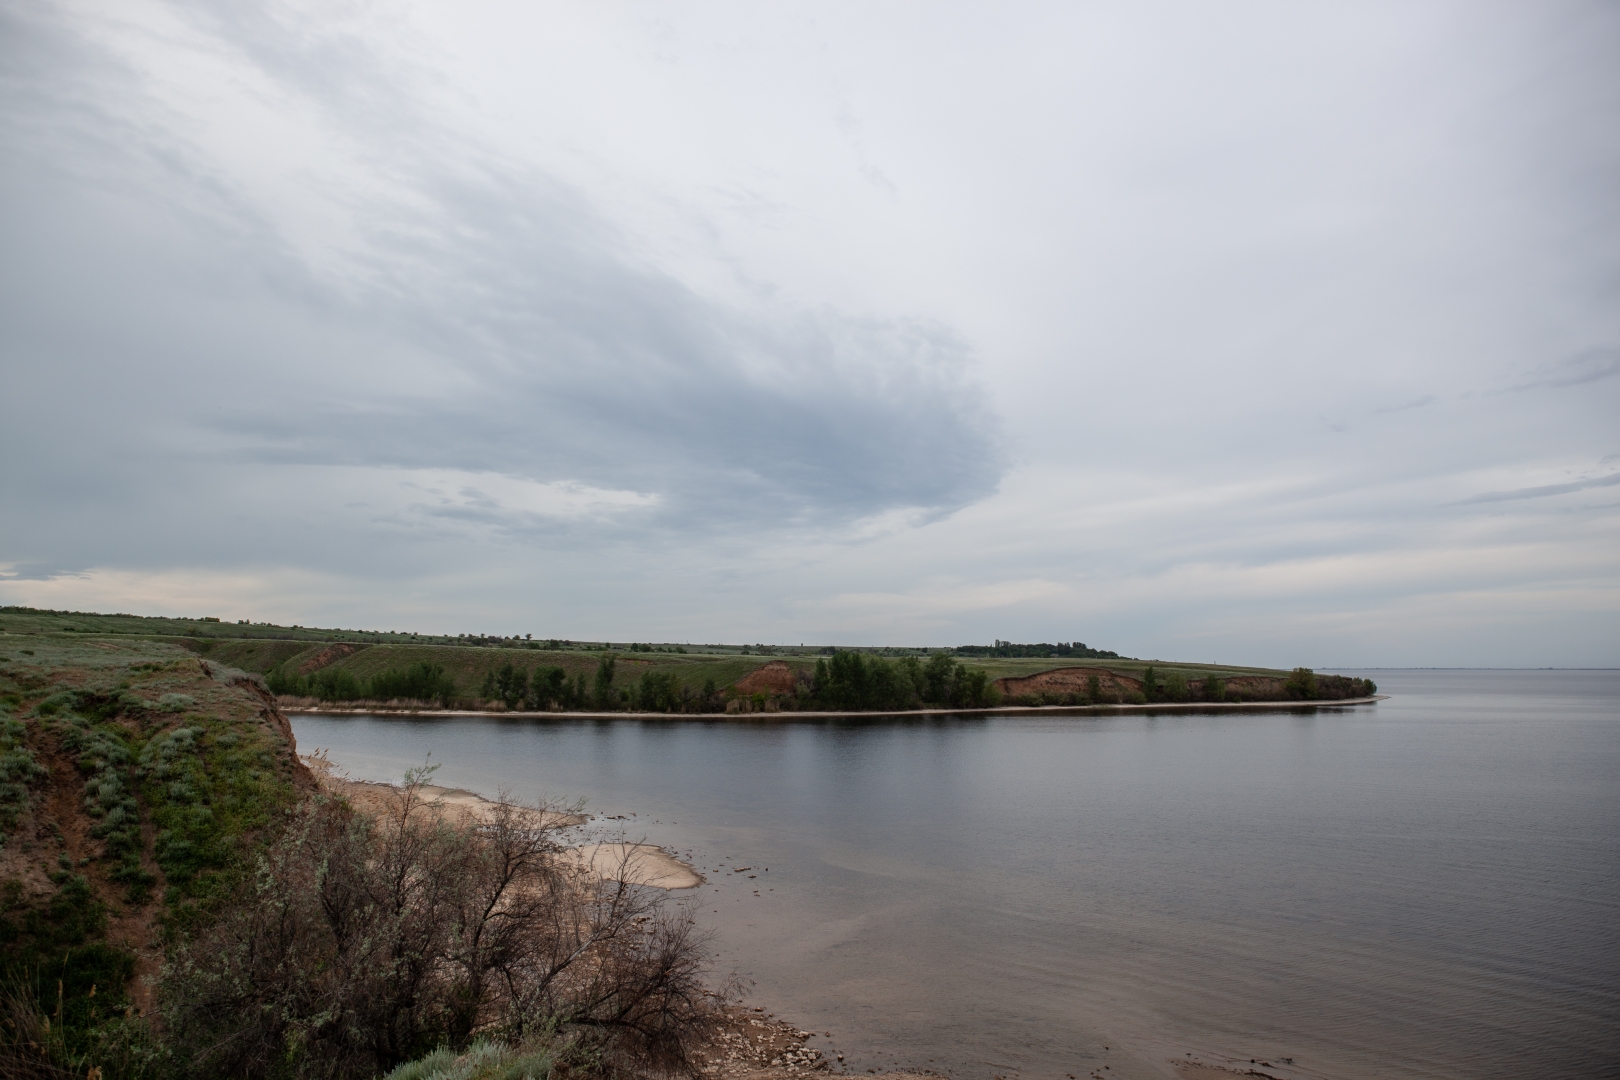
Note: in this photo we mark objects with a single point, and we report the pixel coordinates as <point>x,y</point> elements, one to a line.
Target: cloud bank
<point>1285,334</point>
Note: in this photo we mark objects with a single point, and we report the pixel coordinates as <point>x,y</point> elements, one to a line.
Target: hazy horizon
<point>1255,334</point>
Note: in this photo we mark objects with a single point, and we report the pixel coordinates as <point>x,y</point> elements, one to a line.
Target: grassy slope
<point>998,668</point>
<point>260,647</point>
<point>27,621</point>
<point>158,769</point>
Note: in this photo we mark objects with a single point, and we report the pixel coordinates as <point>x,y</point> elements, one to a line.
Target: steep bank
<point>135,777</point>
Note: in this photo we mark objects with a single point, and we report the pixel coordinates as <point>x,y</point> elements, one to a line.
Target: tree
<point>511,685</point>
<point>1150,683</point>
<point>1175,686</point>
<point>1301,684</point>
<point>937,675</point>
<point>548,686</point>
<point>605,697</point>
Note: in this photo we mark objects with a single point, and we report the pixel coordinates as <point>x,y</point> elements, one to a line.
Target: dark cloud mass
<point>475,316</point>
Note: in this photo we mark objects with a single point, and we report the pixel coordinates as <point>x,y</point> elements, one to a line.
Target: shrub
<point>604,696</point>
<point>549,686</point>
<point>509,686</point>
<point>103,755</point>
<point>1301,684</point>
<point>1150,684</point>
<point>1175,686</point>
<point>18,773</point>
<point>360,945</point>
<point>658,692</point>
<point>421,681</point>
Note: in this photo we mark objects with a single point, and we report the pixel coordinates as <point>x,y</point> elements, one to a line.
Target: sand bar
<point>641,864</point>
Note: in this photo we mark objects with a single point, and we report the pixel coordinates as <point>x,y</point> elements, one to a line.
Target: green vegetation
<point>1069,650</point>
<point>422,682</point>
<point>361,944</point>
<point>141,734</point>
<point>19,771</point>
<point>488,1060</point>
<point>855,682</point>
<point>102,753</point>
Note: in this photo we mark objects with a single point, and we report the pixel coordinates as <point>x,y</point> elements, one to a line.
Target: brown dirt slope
<point>327,656</point>
<point>775,677</point>
<point>134,738</point>
<point>1070,680</point>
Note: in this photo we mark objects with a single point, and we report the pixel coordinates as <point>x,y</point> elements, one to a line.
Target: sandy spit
<point>641,864</point>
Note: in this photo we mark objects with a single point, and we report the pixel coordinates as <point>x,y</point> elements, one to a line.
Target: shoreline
<point>638,863</point>
<point>816,714</point>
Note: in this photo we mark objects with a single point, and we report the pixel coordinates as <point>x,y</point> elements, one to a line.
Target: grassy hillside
<point>465,662</point>
<point>176,903</point>
<point>133,776</point>
<point>1013,668</point>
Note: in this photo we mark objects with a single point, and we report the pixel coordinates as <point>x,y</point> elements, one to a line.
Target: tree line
<point>421,681</point>
<point>852,681</point>
<point>1077,650</point>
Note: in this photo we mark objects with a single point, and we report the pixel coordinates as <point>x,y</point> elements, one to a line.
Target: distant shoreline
<point>813,714</point>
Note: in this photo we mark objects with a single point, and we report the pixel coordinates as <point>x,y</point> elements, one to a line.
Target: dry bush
<point>362,943</point>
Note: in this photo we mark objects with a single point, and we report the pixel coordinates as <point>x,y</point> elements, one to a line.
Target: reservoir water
<point>1428,887</point>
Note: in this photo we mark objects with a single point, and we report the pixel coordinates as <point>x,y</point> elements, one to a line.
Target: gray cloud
<point>540,317</point>
<point>1540,492</point>
<point>1416,403</point>
<point>1578,370</point>
<point>481,318</point>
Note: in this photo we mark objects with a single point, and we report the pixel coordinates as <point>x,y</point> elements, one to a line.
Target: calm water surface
<point>1427,887</point>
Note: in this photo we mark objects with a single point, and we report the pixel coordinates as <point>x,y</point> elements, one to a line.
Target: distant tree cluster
<point>852,681</point>
<point>422,682</point>
<point>1077,650</point>
<point>1305,685</point>
<point>545,688</point>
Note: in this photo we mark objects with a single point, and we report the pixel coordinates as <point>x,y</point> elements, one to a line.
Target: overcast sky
<point>1255,332</point>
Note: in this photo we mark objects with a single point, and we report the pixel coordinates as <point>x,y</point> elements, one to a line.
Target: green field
<point>259,647</point>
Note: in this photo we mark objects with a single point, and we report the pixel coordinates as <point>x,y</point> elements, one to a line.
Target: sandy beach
<point>639,864</point>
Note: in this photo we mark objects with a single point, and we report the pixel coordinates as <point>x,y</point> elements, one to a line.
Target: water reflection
<point>1427,888</point>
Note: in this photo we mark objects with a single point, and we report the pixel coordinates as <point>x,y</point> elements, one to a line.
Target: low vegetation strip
<point>1100,686</point>
<point>845,682</point>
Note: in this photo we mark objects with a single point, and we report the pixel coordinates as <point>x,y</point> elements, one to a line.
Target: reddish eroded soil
<point>1258,687</point>
<point>329,655</point>
<point>775,677</point>
<point>1071,680</point>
